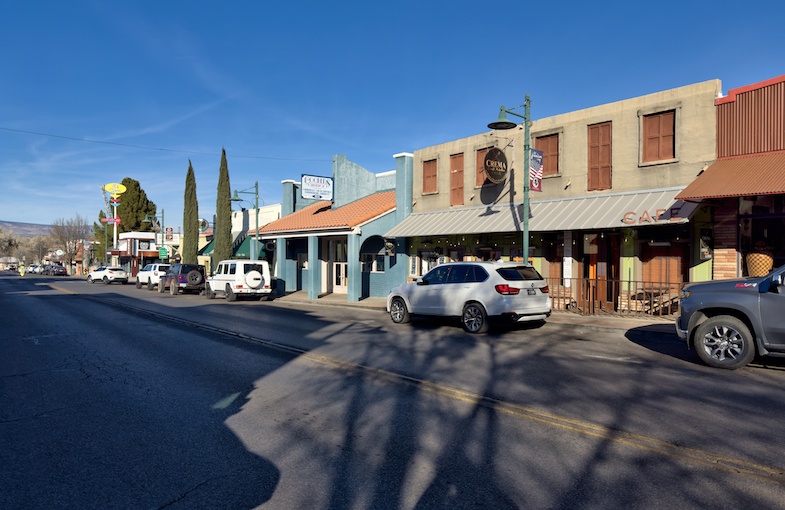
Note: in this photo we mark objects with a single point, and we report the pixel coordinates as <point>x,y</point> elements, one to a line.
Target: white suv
<point>151,275</point>
<point>234,278</point>
<point>475,292</point>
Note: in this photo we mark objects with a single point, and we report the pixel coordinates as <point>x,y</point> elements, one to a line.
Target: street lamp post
<point>503,123</point>
<point>152,219</point>
<point>236,198</point>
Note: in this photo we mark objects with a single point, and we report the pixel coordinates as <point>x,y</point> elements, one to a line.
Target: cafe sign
<point>495,166</point>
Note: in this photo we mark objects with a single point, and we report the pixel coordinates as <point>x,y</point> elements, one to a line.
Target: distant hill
<point>24,229</point>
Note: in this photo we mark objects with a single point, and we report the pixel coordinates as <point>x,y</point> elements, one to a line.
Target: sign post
<point>115,189</point>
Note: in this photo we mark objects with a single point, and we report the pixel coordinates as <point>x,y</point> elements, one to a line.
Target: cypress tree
<point>223,215</point>
<point>190,248</point>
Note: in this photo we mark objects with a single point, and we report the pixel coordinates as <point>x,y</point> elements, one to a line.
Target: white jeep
<point>150,275</point>
<point>234,278</point>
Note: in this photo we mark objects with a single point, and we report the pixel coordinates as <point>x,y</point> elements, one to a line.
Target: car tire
<point>398,312</point>
<point>724,342</point>
<point>474,318</point>
<point>208,291</point>
<point>173,288</point>
<point>89,279</point>
<point>138,284</point>
<point>106,280</point>
<point>162,286</point>
<point>194,278</point>
<point>150,285</point>
<point>230,296</point>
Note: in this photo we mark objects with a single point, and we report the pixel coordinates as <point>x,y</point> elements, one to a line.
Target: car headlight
<point>684,294</point>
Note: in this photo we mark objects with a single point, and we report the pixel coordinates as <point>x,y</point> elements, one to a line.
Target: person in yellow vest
<point>21,269</point>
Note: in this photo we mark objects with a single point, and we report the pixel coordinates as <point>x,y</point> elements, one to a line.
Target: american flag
<point>535,170</point>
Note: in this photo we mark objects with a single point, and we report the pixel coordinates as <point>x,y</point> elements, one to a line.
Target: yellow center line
<point>586,428</point>
<point>582,427</point>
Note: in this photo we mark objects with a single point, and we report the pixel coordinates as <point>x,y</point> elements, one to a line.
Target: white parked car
<point>108,275</point>
<point>475,292</point>
<point>150,275</point>
<point>234,278</point>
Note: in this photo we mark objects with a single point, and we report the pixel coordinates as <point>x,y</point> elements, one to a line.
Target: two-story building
<point>607,229</point>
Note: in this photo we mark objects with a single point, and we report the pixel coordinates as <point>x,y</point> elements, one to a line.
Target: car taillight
<point>545,289</point>
<point>506,290</point>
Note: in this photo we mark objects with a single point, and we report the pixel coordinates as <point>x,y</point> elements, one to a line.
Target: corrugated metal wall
<point>752,123</point>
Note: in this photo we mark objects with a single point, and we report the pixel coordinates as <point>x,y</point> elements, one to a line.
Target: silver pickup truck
<point>729,322</point>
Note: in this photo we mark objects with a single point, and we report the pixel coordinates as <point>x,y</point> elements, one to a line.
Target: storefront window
<point>761,227</point>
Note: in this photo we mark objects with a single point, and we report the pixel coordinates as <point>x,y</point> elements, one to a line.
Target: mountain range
<point>17,229</point>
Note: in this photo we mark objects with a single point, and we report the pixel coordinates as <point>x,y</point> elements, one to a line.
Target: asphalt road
<point>114,397</point>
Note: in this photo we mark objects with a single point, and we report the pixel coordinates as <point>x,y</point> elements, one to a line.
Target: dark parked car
<point>729,322</point>
<point>59,271</point>
<point>183,277</point>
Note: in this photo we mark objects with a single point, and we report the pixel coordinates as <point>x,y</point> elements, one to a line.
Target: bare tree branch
<point>69,235</point>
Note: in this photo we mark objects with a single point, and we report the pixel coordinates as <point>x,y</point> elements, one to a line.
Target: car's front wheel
<point>724,342</point>
<point>150,284</point>
<point>162,286</point>
<point>474,318</point>
<point>208,291</point>
<point>398,312</point>
<point>138,284</point>
<point>89,279</point>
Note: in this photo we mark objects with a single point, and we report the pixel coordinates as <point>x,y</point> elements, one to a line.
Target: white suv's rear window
<point>519,273</point>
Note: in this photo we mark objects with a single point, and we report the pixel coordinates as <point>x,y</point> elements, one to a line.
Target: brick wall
<point>725,233</point>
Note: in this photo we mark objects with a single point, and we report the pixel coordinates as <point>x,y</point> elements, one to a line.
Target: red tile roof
<point>321,215</point>
<point>760,174</point>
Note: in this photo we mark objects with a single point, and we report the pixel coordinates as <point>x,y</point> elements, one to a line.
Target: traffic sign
<point>163,252</point>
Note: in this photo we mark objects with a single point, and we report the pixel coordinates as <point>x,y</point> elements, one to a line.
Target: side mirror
<point>776,280</point>
<point>420,281</point>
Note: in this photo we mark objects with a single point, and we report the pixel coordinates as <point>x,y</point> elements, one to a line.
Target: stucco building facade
<point>606,224</point>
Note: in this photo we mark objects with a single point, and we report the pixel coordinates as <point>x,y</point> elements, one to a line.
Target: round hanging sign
<point>495,166</point>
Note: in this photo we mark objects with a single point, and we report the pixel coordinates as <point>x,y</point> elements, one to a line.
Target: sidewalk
<point>568,319</point>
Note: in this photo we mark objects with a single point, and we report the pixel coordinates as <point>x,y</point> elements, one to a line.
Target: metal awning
<point>207,250</point>
<point>612,210</point>
<point>742,176</point>
<point>243,251</point>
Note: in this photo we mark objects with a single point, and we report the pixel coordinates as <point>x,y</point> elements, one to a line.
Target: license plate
<point>531,292</point>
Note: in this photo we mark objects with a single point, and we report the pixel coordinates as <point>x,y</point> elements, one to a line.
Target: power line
<point>145,147</point>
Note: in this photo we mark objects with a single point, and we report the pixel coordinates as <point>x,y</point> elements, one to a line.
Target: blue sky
<point>94,91</point>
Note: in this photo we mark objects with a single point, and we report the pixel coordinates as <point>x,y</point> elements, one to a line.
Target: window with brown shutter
<point>429,176</point>
<point>600,157</point>
<point>659,136</point>
<point>456,179</point>
<point>479,174</point>
<point>549,145</point>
